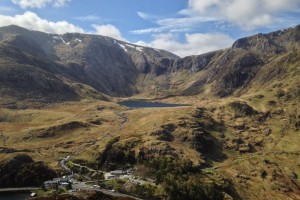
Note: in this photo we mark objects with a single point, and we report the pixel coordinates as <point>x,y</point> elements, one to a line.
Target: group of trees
<point>162,166</point>
<point>192,187</point>
<point>176,178</point>
<point>180,179</point>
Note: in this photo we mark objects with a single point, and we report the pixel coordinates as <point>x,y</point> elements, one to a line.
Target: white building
<point>109,176</point>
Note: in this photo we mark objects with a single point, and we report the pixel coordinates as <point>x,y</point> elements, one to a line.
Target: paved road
<point>83,186</point>
<point>18,189</point>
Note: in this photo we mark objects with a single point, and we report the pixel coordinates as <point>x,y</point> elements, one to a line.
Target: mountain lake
<point>148,104</point>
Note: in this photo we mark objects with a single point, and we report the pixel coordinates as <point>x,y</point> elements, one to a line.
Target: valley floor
<point>249,148</point>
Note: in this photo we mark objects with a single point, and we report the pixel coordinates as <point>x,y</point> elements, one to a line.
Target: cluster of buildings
<point>127,174</point>
<point>65,182</point>
<point>116,174</point>
<point>59,183</point>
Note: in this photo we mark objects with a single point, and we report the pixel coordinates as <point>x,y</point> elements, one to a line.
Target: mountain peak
<point>274,41</point>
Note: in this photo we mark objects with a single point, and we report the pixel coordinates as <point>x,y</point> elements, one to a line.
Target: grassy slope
<point>278,154</point>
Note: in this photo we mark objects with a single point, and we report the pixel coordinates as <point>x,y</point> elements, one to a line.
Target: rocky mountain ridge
<point>107,65</point>
<point>233,69</point>
<point>73,65</point>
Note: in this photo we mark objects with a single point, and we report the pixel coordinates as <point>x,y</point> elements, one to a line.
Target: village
<point>69,182</point>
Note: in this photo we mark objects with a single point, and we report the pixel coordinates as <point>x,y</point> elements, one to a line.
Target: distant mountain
<point>70,66</point>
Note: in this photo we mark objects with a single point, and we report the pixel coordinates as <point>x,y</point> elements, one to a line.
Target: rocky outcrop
<point>22,171</point>
<point>201,138</point>
<point>117,154</point>
<point>165,133</point>
<point>194,63</point>
<point>242,109</point>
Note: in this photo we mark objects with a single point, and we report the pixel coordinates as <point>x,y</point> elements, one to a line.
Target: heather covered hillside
<point>232,131</point>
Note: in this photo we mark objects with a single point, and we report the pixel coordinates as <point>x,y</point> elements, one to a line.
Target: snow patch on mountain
<point>122,46</point>
<point>78,40</point>
<point>134,47</point>
<point>59,39</point>
<point>129,45</point>
<point>139,48</point>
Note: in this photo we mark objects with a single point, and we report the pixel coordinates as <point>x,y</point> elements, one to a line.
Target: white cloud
<point>175,25</point>
<point>145,16</point>
<point>247,14</point>
<point>194,44</point>
<point>88,18</point>
<point>201,6</point>
<point>184,21</point>
<point>32,21</point>
<point>149,30</point>
<point>39,3</point>
<point>108,30</point>
<point>142,43</point>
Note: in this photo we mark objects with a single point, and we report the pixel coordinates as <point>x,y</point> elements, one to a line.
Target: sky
<point>183,27</point>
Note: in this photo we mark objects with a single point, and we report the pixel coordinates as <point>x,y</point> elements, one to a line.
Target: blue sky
<point>184,27</point>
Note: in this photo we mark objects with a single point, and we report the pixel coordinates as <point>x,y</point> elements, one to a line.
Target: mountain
<point>252,59</point>
<point>41,65</point>
<point>56,67</point>
<point>70,66</point>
